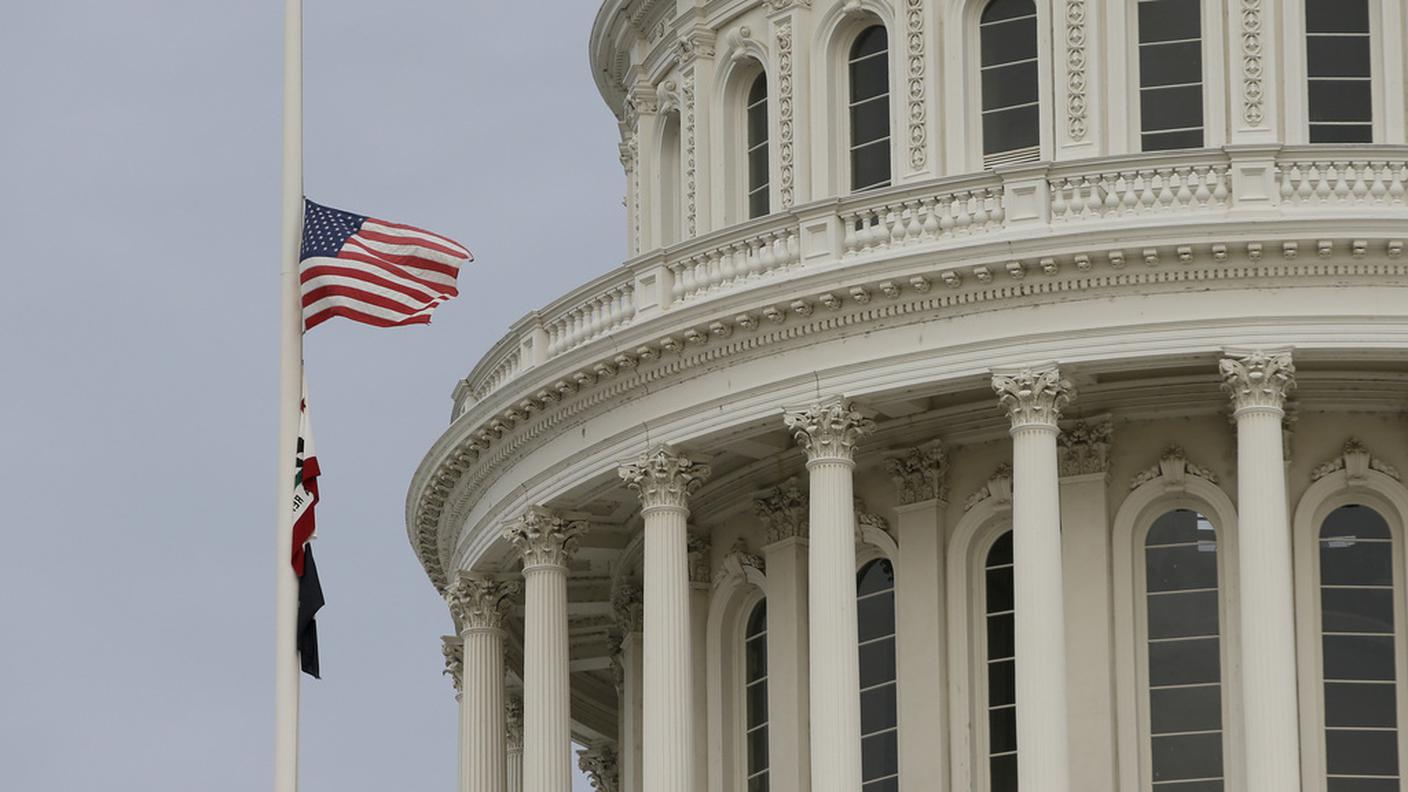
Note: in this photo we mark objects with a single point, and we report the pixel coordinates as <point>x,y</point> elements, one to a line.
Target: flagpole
<point>286,667</point>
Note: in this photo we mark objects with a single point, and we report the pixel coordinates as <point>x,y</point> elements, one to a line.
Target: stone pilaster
<point>1258,382</point>
<point>1033,399</point>
<point>828,432</point>
<point>513,728</point>
<point>664,479</point>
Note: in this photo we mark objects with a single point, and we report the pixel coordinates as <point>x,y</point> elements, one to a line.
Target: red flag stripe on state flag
<point>373,271</point>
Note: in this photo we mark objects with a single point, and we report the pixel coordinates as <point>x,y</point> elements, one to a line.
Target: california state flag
<point>305,499</point>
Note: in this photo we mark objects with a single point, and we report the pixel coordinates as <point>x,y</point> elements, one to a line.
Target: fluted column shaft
<point>480,604</point>
<point>664,479</point>
<point>828,432</point>
<point>546,542</point>
<point>513,771</point>
<point>1258,383</point>
<point>1033,399</point>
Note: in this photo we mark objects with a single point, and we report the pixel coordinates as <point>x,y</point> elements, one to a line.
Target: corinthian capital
<point>664,478</point>
<point>480,603</point>
<point>628,603</point>
<point>453,648</point>
<point>543,538</point>
<point>829,429</point>
<point>1258,379</point>
<point>784,512</point>
<point>920,474</point>
<point>513,721</point>
<point>1033,396</point>
<point>599,762</point>
<point>1083,448</point>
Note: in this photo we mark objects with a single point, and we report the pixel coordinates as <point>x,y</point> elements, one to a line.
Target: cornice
<point>483,439</point>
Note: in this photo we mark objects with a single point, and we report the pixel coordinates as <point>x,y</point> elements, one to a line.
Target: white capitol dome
<point>997,392</point>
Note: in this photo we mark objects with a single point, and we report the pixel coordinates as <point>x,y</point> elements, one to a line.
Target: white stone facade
<point>1115,434</point>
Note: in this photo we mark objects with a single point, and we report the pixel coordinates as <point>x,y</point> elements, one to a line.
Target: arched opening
<point>1000,640</point>
<point>670,180</point>
<point>868,70</point>
<point>1010,82</point>
<point>879,721</point>
<point>756,122</point>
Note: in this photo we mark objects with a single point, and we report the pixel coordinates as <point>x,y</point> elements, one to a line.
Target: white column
<point>479,605</point>
<point>1258,382</point>
<point>1033,399</point>
<point>828,433</point>
<point>921,483</point>
<point>546,542</point>
<point>1083,453</point>
<point>664,479</point>
<point>784,515</point>
<point>513,726</point>
<point>700,580</point>
<point>453,648</point>
<point>626,667</point>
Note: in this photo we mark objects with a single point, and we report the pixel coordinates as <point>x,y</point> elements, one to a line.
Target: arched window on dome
<point>1339,66</point>
<point>868,67</point>
<point>1170,74</point>
<point>670,165</point>
<point>875,616</point>
<point>1000,640</point>
<point>1358,628</point>
<point>1010,82</point>
<point>755,677</point>
<point>756,120</point>
<point>1181,634</point>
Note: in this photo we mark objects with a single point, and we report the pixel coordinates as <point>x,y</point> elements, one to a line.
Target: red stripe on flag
<point>411,241</point>
<point>356,315</point>
<point>401,260</point>
<point>353,293</point>
<point>350,273</point>
<point>405,227</point>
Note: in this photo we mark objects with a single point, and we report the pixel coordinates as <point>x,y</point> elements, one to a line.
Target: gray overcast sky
<point>139,200</point>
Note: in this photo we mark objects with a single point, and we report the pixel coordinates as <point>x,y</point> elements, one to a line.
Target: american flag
<point>371,271</point>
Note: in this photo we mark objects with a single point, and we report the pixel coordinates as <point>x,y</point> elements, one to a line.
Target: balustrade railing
<point>1184,183</point>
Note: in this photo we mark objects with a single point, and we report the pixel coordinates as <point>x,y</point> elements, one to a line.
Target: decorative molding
<point>918,107</point>
<point>920,473</point>
<point>998,488</point>
<point>1033,396</point>
<point>599,762</point>
<point>479,602</point>
<point>691,171</point>
<point>698,42</point>
<point>664,478</point>
<point>1083,447</point>
<point>785,5</point>
<point>739,563</point>
<point>1253,72</point>
<point>784,512</point>
<point>1258,379</point>
<point>698,545</point>
<point>785,102</point>
<point>1076,61</point>
<point>513,721</point>
<point>452,647</point>
<point>543,538</point>
<point>828,430</point>
<point>628,604</point>
<point>1174,469</point>
<point>1356,461</point>
<point>867,520</point>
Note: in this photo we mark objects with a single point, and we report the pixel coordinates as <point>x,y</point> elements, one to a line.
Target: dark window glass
<point>1007,43</point>
<point>875,623</point>
<point>1337,59</point>
<point>755,650</point>
<point>869,106</point>
<point>1170,74</point>
<point>1184,642</point>
<point>757,122</point>
<point>1358,632</point>
<point>1000,656</point>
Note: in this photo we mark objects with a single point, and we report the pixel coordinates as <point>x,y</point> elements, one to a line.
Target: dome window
<point>869,73</point>
<point>1170,74</point>
<point>1010,84</point>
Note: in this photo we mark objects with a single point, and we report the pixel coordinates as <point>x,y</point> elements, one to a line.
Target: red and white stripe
<point>386,275</point>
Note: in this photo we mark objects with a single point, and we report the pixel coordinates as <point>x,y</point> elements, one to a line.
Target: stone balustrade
<point>1012,203</point>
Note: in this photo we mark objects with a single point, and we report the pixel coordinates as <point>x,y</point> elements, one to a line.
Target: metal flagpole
<point>286,666</point>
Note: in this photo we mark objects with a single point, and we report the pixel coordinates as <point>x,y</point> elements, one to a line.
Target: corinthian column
<point>664,479</point>
<point>546,542</point>
<point>479,605</point>
<point>1258,382</point>
<point>1033,399</point>
<point>828,433</point>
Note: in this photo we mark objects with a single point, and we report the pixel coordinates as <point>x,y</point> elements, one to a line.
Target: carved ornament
<point>664,478</point>
<point>1356,461</point>
<point>1258,379</point>
<point>1083,448</point>
<point>543,538</point>
<point>998,488</point>
<point>1033,396</point>
<point>784,512</point>
<point>920,474</point>
<point>479,602</point>
<point>1174,469</point>
<point>828,430</point>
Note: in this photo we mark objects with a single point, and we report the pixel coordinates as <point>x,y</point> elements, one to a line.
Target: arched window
<point>875,616</point>
<point>1337,60</point>
<point>1001,640</point>
<point>755,675</point>
<point>1358,631</point>
<point>869,69</point>
<point>1182,631</point>
<point>670,181</point>
<point>756,114</point>
<point>1010,85</point>
<point>1170,74</point>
